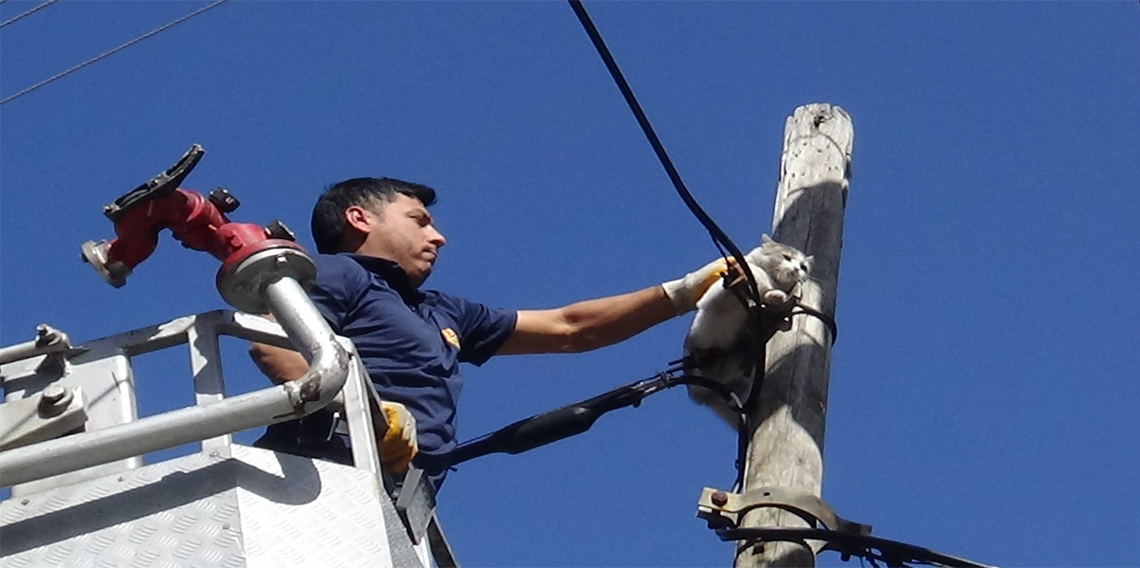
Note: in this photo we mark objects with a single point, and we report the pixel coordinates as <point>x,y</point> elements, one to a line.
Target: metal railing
<point>215,415</point>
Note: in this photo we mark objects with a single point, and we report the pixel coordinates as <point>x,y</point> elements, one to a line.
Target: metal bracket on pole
<point>724,510</point>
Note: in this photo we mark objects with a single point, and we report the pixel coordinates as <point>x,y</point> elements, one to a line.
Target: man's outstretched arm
<point>588,325</point>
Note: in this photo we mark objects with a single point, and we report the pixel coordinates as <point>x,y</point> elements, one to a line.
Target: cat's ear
<point>809,262</point>
<point>765,239</point>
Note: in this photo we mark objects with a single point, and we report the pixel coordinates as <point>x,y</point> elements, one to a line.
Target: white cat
<point>717,345</point>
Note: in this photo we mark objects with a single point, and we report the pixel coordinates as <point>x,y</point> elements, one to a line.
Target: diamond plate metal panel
<point>177,513</point>
<point>301,512</point>
<point>258,508</point>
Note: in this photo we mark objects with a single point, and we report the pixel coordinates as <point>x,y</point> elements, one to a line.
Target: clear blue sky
<point>984,389</point>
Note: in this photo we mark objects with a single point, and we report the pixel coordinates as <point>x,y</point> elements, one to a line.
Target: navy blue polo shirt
<point>410,341</point>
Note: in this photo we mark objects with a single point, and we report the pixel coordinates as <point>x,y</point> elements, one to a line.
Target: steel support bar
<point>20,351</point>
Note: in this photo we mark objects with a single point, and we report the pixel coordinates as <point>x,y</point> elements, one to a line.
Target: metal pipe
<point>314,339</point>
<point>283,297</point>
<point>20,351</point>
<point>328,371</point>
<point>48,340</point>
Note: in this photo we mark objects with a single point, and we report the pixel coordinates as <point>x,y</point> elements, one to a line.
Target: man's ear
<point>358,218</point>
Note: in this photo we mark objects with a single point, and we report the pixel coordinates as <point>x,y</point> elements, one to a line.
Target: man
<point>378,245</point>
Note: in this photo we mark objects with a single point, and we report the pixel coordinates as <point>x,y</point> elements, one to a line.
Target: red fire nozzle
<point>193,220</point>
<point>199,223</point>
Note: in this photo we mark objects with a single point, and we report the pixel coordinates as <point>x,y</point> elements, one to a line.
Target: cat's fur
<point>717,345</point>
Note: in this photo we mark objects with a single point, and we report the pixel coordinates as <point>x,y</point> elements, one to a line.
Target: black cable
<point>572,419</point>
<point>893,552</point>
<point>767,318</point>
<point>826,319</point>
<point>576,418</point>
<point>719,236</point>
<point>726,394</point>
<point>755,308</point>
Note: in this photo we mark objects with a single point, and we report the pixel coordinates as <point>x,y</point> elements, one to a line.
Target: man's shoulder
<point>341,267</point>
<point>336,263</point>
<point>340,274</point>
<point>459,307</point>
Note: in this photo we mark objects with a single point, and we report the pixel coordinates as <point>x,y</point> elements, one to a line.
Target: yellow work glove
<point>398,445</point>
<point>685,292</point>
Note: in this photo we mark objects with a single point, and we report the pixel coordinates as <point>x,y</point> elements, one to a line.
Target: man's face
<point>403,232</point>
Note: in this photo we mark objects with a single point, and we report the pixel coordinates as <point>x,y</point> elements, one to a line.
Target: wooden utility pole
<point>786,446</point>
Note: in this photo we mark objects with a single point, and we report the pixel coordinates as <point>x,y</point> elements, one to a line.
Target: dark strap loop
<point>826,319</point>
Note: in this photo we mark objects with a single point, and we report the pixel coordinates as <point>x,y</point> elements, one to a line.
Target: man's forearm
<point>588,325</point>
<point>605,321</point>
<point>280,365</point>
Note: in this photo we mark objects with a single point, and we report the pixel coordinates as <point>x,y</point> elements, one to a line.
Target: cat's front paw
<point>775,297</point>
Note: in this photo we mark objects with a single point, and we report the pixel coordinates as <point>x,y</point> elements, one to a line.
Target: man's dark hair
<point>328,222</point>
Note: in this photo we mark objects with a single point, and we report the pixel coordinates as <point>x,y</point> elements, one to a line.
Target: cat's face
<point>784,264</point>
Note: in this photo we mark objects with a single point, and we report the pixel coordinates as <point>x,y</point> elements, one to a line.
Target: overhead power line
<point>29,12</point>
<point>112,51</point>
<point>719,237</point>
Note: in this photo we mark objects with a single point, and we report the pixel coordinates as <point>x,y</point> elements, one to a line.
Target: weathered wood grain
<point>786,447</point>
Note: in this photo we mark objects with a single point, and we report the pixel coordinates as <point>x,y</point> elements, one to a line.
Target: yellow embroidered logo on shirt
<point>450,336</point>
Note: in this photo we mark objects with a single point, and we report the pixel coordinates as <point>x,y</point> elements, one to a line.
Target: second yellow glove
<point>398,445</point>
